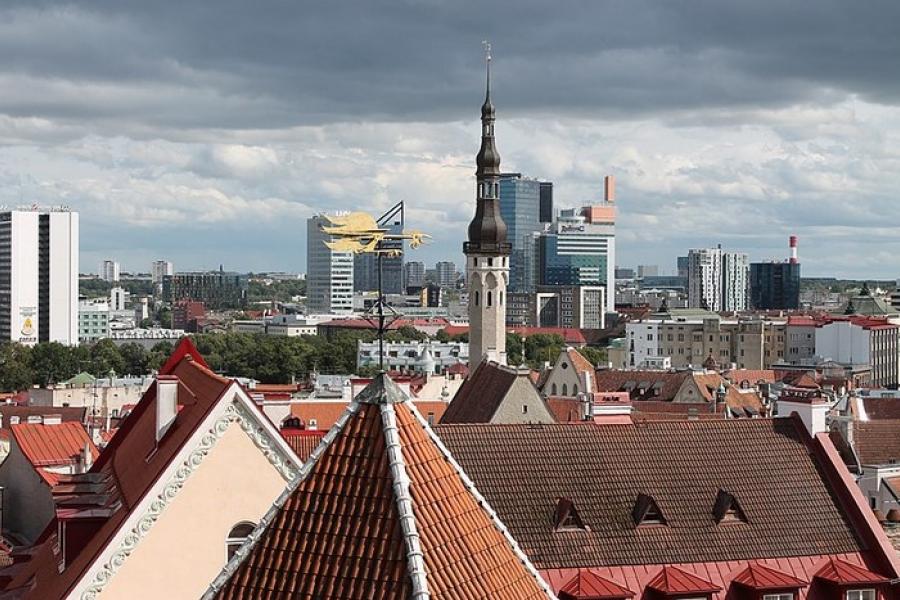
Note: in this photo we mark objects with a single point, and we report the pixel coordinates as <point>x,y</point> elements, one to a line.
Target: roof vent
<point>566,517</point>
<point>647,512</point>
<point>727,509</point>
<point>166,403</point>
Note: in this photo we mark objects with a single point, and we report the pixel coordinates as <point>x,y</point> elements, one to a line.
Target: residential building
<point>690,337</point>
<point>572,374</point>
<point>446,274</point>
<point>800,339</point>
<point>775,285</point>
<point>425,357</point>
<point>718,280</point>
<point>520,208</point>
<point>487,251</point>
<point>683,266</point>
<point>109,270</point>
<point>159,269</point>
<point>39,276</point>
<point>545,214</point>
<point>187,313</point>
<point>39,454</point>
<point>413,275</point>
<point>103,397</point>
<point>93,320</point>
<point>644,271</point>
<point>858,340</point>
<point>578,249</point>
<point>496,393</point>
<point>118,299</point>
<point>192,440</point>
<point>146,337</point>
<point>215,289</point>
<point>365,265</point>
<point>569,306</point>
<point>417,524</point>
<point>520,309</point>
<point>603,496</point>
<point>329,274</point>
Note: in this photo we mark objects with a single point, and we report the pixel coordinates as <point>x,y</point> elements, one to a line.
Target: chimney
<point>166,403</point>
<point>792,242</point>
<point>612,408</point>
<point>609,188</point>
<point>87,458</point>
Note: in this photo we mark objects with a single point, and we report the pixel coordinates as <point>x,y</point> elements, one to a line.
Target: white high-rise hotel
<point>718,280</point>
<point>39,276</point>
<point>329,274</point>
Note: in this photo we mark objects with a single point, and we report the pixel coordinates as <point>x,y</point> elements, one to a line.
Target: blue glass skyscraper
<point>520,207</point>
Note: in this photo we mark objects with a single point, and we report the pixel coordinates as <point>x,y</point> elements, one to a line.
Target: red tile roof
<point>881,408</point>
<point>674,581</point>
<point>392,472</point>
<point>587,585</point>
<point>659,385</point>
<point>302,441</point>
<point>877,442</point>
<point>479,397</point>
<point>750,376</point>
<point>760,578</point>
<point>52,445</point>
<point>522,470</point>
<point>842,572</point>
<point>326,414</point>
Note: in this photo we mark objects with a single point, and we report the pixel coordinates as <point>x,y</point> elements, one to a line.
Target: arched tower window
<point>500,298</point>
<point>236,537</point>
<point>489,298</point>
<point>553,389</point>
<point>565,390</point>
<point>476,297</point>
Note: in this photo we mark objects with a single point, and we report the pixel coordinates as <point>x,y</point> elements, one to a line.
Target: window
<point>565,390</point>
<point>236,538</point>
<point>431,419</point>
<point>779,596</point>
<point>489,298</point>
<point>553,389</point>
<point>646,511</point>
<point>476,297</point>
<point>860,594</point>
<point>524,409</point>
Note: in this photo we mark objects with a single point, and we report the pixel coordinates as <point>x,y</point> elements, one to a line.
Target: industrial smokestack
<point>609,188</point>
<point>793,245</point>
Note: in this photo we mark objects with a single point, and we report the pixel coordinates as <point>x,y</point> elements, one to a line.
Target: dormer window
<point>647,512</point>
<point>566,517</point>
<point>727,509</point>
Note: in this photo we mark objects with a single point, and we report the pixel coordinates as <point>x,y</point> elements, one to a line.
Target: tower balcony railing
<point>503,248</point>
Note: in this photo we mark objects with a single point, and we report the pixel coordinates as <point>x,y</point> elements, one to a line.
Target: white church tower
<point>487,251</point>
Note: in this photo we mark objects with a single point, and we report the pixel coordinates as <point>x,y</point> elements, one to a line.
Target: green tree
<point>541,348</point>
<point>106,359</point>
<point>16,373</point>
<point>596,356</point>
<point>135,359</point>
<point>514,349</point>
<point>53,362</point>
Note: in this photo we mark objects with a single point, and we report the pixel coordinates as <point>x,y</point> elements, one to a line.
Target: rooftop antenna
<point>487,59</point>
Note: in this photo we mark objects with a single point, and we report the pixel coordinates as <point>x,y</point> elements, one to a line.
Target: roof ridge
<point>230,567</point>
<point>482,501</point>
<point>401,482</point>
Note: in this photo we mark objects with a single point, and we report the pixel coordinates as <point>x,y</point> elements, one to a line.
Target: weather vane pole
<point>487,59</point>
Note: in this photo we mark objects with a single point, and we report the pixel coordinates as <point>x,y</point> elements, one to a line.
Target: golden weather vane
<point>360,233</point>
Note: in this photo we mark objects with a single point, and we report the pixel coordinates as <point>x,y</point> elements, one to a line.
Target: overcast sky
<point>207,132</point>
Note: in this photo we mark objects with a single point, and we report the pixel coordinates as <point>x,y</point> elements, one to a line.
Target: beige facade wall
<point>522,404</point>
<point>747,344</point>
<point>563,379</point>
<point>185,549</point>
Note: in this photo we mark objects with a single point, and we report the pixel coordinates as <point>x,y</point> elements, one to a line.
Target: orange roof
<point>759,577</point>
<point>326,414</point>
<point>52,445</point>
<point>410,523</point>
<point>579,362</point>
<point>302,441</point>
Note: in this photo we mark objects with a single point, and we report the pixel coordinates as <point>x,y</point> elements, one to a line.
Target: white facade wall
<point>844,342</point>
<point>705,279</point>
<point>642,339</point>
<point>329,274</point>
<point>159,269</point>
<point>64,236</point>
<point>24,323</point>
<point>735,281</point>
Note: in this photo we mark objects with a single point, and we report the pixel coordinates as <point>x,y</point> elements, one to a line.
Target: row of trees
<point>270,359</point>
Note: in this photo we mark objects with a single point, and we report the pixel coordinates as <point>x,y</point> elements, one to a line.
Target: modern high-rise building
<point>682,264</point>
<point>520,208</point>
<point>647,271</point>
<point>365,265</point>
<point>487,250</point>
<point>579,249</point>
<point>776,285</point>
<point>446,274</point>
<point>39,276</point>
<point>414,274</point>
<point>109,271</point>
<point>329,274</point>
<point>159,269</point>
<point>718,280</point>
<point>216,289</point>
<point>546,213</point>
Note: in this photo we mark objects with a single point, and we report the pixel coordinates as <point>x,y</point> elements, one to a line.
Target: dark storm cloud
<point>230,64</point>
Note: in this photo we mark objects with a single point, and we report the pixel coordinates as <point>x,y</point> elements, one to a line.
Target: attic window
<point>566,517</point>
<point>727,509</point>
<point>646,512</point>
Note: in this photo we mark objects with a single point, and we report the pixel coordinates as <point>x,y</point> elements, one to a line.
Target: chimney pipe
<point>792,241</point>
<point>609,188</point>
<point>166,403</point>
<point>87,458</point>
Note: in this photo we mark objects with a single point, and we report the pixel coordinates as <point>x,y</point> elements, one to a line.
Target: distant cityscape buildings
<point>413,274</point>
<point>109,271</point>
<point>718,280</point>
<point>39,276</point>
<point>216,289</point>
<point>520,207</point>
<point>446,274</point>
<point>776,285</point>
<point>365,265</point>
<point>159,269</point>
<point>329,274</point>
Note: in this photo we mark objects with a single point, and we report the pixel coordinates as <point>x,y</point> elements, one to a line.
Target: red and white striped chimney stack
<point>793,245</point>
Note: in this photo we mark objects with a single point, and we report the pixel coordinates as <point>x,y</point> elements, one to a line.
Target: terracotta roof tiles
<point>481,394</point>
<point>52,445</point>
<point>877,442</point>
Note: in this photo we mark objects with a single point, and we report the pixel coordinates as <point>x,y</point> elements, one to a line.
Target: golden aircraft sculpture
<point>359,233</point>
